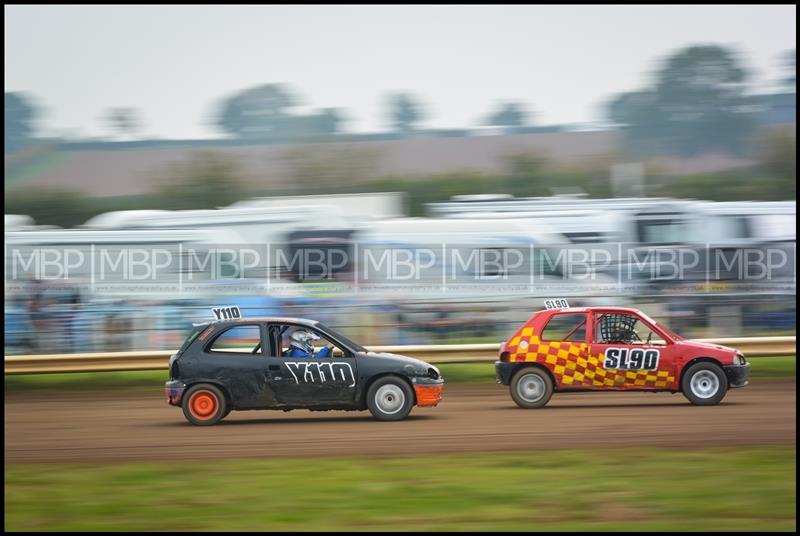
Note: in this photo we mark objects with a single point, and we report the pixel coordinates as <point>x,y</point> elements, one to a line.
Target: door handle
<point>275,367</point>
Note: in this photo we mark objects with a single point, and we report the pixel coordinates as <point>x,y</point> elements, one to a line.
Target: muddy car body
<point>243,364</point>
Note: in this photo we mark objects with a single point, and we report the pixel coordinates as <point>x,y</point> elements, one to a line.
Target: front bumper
<point>502,371</point>
<point>429,393</point>
<point>174,390</point>
<point>737,374</point>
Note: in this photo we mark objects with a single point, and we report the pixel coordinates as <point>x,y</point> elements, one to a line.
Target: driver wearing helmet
<point>300,345</point>
<point>618,329</point>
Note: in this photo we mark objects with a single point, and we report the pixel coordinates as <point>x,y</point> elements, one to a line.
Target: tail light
<point>173,366</point>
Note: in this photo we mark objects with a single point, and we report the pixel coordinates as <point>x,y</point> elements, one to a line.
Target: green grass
<point>741,489</point>
<point>773,367</point>
<point>82,381</point>
<point>763,368</point>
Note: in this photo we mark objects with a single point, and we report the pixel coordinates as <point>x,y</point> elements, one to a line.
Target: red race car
<point>612,349</point>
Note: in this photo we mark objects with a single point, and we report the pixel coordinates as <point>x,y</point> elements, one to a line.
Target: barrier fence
<point>452,353</point>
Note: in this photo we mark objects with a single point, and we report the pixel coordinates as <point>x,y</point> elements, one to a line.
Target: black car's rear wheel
<point>390,399</point>
<point>204,404</point>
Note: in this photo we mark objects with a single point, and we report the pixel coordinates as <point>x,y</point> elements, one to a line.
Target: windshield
<point>669,332</point>
<point>341,338</point>
<point>661,326</point>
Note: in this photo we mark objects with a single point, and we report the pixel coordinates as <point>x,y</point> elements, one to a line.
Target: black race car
<point>274,363</point>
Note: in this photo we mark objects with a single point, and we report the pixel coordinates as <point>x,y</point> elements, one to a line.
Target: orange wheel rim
<point>203,405</point>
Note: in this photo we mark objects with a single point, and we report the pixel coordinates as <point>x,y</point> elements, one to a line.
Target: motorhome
<point>355,207</point>
<point>643,220</point>
<point>458,257</point>
<point>263,233</point>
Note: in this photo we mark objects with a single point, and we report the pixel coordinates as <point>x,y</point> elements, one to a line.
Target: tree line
<point>699,100</point>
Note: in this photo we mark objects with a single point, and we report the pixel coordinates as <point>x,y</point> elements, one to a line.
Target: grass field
<point>762,368</point>
<point>634,489</point>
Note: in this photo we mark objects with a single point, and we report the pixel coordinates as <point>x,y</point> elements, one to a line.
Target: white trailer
<point>460,258</point>
<point>638,220</point>
<point>356,207</point>
<point>135,263</point>
<point>252,226</point>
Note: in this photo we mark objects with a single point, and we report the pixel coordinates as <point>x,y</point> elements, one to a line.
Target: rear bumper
<point>737,374</point>
<point>429,394</point>
<point>174,390</point>
<point>502,371</point>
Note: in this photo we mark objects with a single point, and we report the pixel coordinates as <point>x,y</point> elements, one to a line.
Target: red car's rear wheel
<point>531,387</point>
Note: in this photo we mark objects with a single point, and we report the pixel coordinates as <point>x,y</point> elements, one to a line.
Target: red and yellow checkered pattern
<point>573,365</point>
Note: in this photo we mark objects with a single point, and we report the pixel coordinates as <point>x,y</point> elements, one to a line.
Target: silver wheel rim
<point>390,399</point>
<point>531,388</point>
<point>704,384</point>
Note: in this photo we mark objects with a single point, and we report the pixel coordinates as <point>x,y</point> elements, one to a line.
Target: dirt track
<point>91,428</point>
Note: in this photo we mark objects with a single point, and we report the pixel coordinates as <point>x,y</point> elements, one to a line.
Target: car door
<point>237,359</point>
<point>562,347</point>
<point>627,356</point>
<point>311,381</point>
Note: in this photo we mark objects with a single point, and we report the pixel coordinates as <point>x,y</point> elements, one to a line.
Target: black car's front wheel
<point>390,399</point>
<point>204,405</point>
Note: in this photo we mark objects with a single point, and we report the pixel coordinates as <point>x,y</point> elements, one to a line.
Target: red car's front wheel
<point>704,384</point>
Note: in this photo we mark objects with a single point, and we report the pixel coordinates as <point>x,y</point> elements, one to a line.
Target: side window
<point>238,339</point>
<point>300,341</point>
<point>614,328</point>
<point>566,327</point>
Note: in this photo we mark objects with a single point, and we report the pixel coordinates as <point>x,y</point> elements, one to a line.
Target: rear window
<point>196,330</point>
<point>240,340</point>
<point>566,327</point>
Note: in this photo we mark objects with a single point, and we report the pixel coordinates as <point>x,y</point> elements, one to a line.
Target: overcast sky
<point>175,63</point>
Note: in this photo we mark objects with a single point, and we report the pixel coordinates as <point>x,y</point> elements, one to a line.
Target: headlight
<point>427,372</point>
<point>739,359</point>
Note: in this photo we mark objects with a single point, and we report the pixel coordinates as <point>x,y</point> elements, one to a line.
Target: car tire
<point>390,399</point>
<point>204,404</point>
<point>531,387</point>
<point>704,384</point>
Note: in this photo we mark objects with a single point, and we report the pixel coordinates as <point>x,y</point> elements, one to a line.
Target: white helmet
<point>302,340</point>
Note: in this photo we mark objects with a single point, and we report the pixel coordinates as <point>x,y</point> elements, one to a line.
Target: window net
<point>617,328</point>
